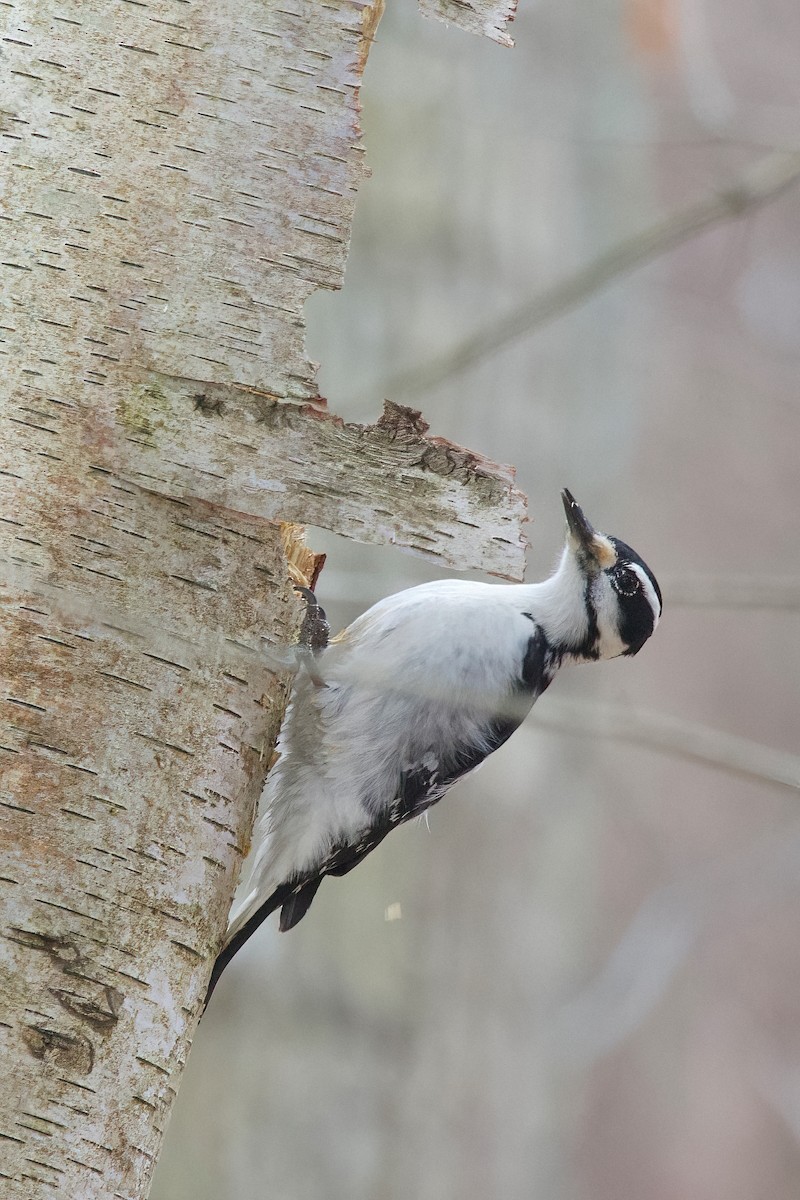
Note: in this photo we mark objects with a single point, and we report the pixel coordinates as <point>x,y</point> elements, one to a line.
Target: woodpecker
<point>413,696</point>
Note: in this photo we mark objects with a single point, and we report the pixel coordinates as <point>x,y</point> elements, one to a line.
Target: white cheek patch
<point>649,591</point>
<point>607,614</point>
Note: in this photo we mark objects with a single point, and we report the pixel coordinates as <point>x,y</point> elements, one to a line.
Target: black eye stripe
<point>626,555</point>
<point>637,620</point>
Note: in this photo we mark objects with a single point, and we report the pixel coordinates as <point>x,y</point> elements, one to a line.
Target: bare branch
<point>671,735</point>
<point>692,591</point>
<point>733,591</point>
<point>659,939</point>
<point>757,186</point>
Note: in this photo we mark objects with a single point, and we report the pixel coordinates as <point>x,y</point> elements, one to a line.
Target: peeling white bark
<point>487,17</point>
<point>387,482</point>
<point>182,181</point>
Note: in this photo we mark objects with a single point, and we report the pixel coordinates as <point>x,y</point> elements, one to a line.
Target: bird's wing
<point>422,784</point>
<point>457,743</point>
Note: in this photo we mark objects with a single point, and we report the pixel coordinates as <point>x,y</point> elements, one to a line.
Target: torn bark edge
<point>397,423</point>
<point>243,455</point>
<point>486,17</point>
<point>302,563</point>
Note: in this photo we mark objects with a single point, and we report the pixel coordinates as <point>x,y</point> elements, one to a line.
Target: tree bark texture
<point>177,178</point>
<point>487,17</point>
<point>133,755</point>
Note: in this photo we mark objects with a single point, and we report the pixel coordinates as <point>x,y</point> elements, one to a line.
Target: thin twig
<point>733,591</point>
<point>658,731</point>
<point>661,936</point>
<point>755,187</point>
<point>684,591</point>
<point>671,735</point>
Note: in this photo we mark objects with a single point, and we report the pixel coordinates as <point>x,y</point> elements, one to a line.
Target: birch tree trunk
<point>177,179</point>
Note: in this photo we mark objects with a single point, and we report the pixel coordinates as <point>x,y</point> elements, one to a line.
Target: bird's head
<point>604,600</point>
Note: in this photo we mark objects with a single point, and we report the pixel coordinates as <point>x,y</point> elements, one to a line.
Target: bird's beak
<point>587,543</point>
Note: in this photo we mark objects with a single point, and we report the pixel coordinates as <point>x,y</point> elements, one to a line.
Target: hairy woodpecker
<point>413,696</point>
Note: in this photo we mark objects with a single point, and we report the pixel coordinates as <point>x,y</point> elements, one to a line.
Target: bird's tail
<point>292,898</point>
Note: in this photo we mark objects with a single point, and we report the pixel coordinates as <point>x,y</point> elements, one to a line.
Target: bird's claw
<point>314,634</point>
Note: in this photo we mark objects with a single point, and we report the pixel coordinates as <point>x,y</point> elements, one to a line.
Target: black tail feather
<point>293,899</point>
<point>297,905</point>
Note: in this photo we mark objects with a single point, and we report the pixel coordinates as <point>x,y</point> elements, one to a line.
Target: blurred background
<point>582,981</point>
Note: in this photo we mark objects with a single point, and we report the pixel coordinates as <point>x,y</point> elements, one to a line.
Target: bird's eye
<point>624,581</point>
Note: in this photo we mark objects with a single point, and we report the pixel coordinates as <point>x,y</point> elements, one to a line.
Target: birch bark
<point>177,179</point>
<point>487,17</point>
